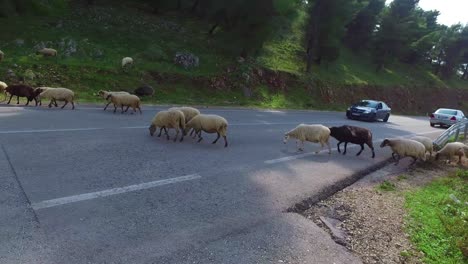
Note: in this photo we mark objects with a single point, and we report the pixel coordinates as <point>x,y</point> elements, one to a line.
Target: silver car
<point>446,117</point>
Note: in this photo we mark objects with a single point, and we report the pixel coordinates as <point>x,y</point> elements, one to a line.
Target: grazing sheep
<point>3,87</point>
<point>127,61</point>
<point>354,135</point>
<point>453,149</point>
<point>47,52</point>
<point>406,148</point>
<point>427,142</point>
<point>209,124</point>
<point>2,55</point>
<point>312,133</point>
<point>168,119</point>
<point>144,90</point>
<point>57,94</point>
<point>105,95</point>
<point>21,90</point>
<point>128,100</point>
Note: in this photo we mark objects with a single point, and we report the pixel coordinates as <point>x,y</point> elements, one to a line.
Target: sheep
<point>47,52</point>
<point>168,119</point>
<point>453,149</point>
<point>144,90</point>
<point>105,95</point>
<point>3,87</point>
<point>128,100</point>
<point>354,135</point>
<point>312,133</point>
<point>189,113</point>
<point>127,61</point>
<point>21,90</point>
<point>427,142</point>
<point>2,55</point>
<point>209,124</point>
<point>406,148</point>
<point>57,94</point>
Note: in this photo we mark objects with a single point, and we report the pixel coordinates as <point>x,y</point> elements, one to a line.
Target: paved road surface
<point>88,186</point>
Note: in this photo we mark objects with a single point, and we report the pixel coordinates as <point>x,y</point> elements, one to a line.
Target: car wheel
<point>386,118</point>
<point>432,125</point>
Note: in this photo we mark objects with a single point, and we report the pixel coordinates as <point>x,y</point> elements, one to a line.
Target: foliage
<point>438,219</point>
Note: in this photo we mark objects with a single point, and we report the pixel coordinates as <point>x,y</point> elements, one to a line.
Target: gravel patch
<point>369,220</point>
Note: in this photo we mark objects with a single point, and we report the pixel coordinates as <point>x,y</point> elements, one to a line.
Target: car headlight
<point>367,111</point>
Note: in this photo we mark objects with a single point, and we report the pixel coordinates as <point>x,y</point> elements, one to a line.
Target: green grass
<point>105,35</point>
<point>436,223</point>
<point>386,186</point>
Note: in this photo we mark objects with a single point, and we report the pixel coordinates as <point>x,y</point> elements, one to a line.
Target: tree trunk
<point>213,28</point>
<point>194,6</point>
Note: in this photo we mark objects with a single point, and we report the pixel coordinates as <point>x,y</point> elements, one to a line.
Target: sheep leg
<point>216,140</point>
<point>11,96</point>
<point>345,148</point>
<point>122,109</point>
<point>397,160</point>
<point>66,102</point>
<point>338,146</point>
<point>225,142</point>
<point>35,100</point>
<point>199,136</point>
<point>301,146</point>
<point>17,99</point>
<point>160,131</point>
<point>27,102</point>
<point>50,104</point>
<point>182,136</point>
<point>107,105</point>
<point>55,103</point>
<point>115,109</point>
<point>176,135</point>
<point>362,148</point>
<point>73,105</point>
<point>414,161</point>
<point>166,133</point>
<point>139,109</point>
<point>127,108</point>
<point>372,148</point>
<point>329,148</point>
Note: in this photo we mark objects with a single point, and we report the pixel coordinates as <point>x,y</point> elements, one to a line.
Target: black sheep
<point>354,135</point>
<point>22,90</point>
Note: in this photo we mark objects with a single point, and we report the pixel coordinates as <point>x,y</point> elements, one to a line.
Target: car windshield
<point>446,112</point>
<point>367,104</point>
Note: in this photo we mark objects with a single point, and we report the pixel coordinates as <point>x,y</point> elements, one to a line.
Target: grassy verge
<point>438,219</point>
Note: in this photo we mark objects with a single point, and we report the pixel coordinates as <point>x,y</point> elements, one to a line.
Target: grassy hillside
<point>92,42</point>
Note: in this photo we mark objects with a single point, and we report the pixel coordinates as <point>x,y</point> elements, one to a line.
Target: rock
<point>29,75</point>
<point>145,90</point>
<point>338,235</point>
<point>19,42</point>
<point>69,46</point>
<point>186,60</point>
<point>454,198</point>
<point>11,74</point>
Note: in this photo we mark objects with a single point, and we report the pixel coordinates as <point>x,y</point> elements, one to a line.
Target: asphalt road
<point>88,186</point>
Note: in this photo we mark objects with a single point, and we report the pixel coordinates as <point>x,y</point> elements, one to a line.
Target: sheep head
<point>152,129</point>
<point>286,138</point>
<point>385,143</point>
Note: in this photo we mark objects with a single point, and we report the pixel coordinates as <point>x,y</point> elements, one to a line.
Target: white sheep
<point>209,124</point>
<point>128,100</point>
<point>2,55</point>
<point>57,94</point>
<point>312,133</point>
<point>166,120</point>
<point>453,149</point>
<point>189,113</point>
<point>127,61</point>
<point>47,52</point>
<point>406,148</point>
<point>3,87</point>
<point>105,95</point>
<point>427,142</point>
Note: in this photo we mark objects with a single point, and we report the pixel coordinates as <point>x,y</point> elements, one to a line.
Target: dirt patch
<point>368,217</point>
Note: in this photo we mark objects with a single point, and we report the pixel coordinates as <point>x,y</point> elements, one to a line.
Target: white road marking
<point>50,130</point>
<point>295,157</point>
<point>109,192</point>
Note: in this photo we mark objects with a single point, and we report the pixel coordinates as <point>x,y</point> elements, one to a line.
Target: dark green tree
<point>360,30</point>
